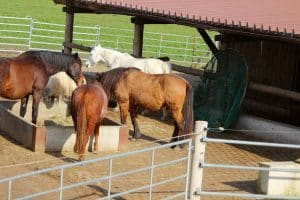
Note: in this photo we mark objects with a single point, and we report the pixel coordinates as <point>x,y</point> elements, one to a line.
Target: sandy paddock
<point>16,160</point>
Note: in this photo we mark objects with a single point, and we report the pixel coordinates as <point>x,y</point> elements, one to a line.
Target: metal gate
<point>111,176</point>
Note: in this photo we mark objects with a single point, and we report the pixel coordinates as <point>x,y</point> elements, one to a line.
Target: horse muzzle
<point>80,80</point>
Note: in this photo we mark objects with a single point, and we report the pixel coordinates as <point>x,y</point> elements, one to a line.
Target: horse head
<point>95,56</point>
<point>74,70</point>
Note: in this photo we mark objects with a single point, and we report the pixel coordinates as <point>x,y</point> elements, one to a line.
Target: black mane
<point>109,79</point>
<point>50,58</point>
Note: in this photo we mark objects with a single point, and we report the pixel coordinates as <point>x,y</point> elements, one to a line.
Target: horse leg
<point>124,112</point>
<point>86,138</point>
<point>178,129</point>
<point>23,106</point>
<point>37,95</point>
<point>174,135</point>
<point>136,129</point>
<point>165,113</point>
<point>96,133</point>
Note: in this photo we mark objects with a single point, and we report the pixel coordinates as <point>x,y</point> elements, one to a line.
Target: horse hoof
<point>133,139</point>
<point>81,158</point>
<point>95,151</point>
<point>138,136</point>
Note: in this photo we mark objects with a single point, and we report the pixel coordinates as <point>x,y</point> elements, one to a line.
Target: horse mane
<point>109,79</point>
<point>60,60</point>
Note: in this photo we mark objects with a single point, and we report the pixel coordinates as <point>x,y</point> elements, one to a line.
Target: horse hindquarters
<point>184,120</point>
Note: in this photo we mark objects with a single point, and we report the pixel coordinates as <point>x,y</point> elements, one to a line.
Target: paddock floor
<point>13,156</point>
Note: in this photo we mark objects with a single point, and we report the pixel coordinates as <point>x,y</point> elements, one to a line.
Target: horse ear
<point>76,55</point>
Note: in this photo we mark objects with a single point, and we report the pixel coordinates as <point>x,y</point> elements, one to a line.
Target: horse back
<point>89,100</point>
<point>151,90</point>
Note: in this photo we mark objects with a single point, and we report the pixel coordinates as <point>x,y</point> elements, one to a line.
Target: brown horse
<point>28,74</point>
<point>133,89</point>
<point>88,106</point>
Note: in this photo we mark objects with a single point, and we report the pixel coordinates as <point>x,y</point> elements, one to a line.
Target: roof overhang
<point>147,15</point>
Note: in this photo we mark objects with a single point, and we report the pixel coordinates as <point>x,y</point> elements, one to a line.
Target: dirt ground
<point>16,159</point>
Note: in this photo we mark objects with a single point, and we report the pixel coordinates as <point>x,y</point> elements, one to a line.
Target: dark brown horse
<point>88,106</point>
<point>133,89</point>
<point>28,74</point>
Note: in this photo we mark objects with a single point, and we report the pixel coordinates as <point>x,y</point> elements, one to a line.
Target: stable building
<point>266,32</point>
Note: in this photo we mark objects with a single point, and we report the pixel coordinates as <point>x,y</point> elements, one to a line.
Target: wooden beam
<point>138,40</point>
<point>79,10</point>
<point>266,110</point>
<point>69,28</point>
<point>187,70</point>
<point>208,40</point>
<point>77,46</point>
<point>295,96</point>
<point>141,20</point>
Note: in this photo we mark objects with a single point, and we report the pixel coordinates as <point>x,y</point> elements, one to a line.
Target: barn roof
<point>268,18</point>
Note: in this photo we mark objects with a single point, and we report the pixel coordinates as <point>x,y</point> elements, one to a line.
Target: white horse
<point>60,86</point>
<point>116,59</point>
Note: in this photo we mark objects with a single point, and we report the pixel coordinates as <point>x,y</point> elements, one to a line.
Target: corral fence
<point>111,176</point>
<point>193,175</point>
<point>21,34</point>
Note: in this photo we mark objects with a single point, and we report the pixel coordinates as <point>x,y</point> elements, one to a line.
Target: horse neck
<point>109,79</point>
<point>56,62</point>
<point>111,56</point>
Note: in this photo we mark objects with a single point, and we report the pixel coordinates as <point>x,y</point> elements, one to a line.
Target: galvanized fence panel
<point>14,33</point>
<point>111,176</point>
<point>21,34</point>
<point>196,191</point>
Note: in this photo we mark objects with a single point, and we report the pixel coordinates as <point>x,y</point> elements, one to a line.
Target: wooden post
<point>138,40</point>
<point>271,90</point>
<point>198,159</point>
<point>69,28</point>
<point>208,41</point>
<point>194,48</point>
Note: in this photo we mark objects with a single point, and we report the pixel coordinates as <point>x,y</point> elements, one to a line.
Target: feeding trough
<point>54,130</point>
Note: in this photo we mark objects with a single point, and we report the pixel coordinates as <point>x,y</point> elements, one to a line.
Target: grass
<point>48,11</point>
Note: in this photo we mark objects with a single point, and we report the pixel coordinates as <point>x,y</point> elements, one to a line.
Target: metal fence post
<point>117,47</point>
<point>30,32</point>
<point>198,159</point>
<point>186,48</point>
<point>97,34</point>
<point>160,45</point>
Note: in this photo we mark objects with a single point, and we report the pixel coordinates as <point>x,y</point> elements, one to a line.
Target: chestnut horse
<point>134,89</point>
<point>28,74</point>
<point>88,106</point>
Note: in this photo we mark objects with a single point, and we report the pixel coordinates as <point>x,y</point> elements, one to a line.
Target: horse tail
<point>81,127</point>
<point>187,111</point>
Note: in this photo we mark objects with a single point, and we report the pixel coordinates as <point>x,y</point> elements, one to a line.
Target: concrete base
<point>111,138</point>
<point>26,133</point>
<point>280,132</point>
<point>279,183</point>
<point>59,132</point>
